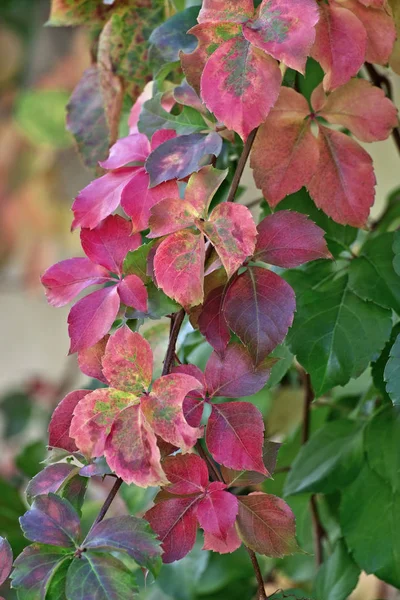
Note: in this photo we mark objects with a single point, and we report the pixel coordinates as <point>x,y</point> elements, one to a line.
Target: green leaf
<point>154,117</point>
<point>11,508</point>
<point>41,116</point>
<point>390,220</point>
<point>56,585</point>
<point>338,237</point>
<point>283,365</point>
<point>75,491</point>
<point>180,579</point>
<point>396,251</point>
<point>369,516</point>
<point>329,460</point>
<point>378,367</point>
<point>338,576</point>
<point>16,410</point>
<point>290,595</point>
<point>372,274</point>
<point>392,373</point>
<point>29,459</point>
<point>101,576</point>
<point>312,77</point>
<point>135,262</point>
<point>335,333</point>
<point>158,305</point>
<point>382,445</point>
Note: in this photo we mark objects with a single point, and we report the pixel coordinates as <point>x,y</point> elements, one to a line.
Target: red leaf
<point>61,421</point>
<point>100,198</point>
<point>6,559</point>
<point>163,135</point>
<point>267,525</point>
<point>232,543</point>
<point>289,239</point>
<point>128,361</point>
<point>240,84</point>
<point>232,231</point>
<point>235,11</point>
<point>217,513</point>
<point>133,148</point>
<point>179,267</point>
<point>235,436</point>
<point>202,187</point>
<point>66,279</point>
<point>133,292</point>
<point>212,323</point>
<point>210,36</point>
<point>90,360</point>
<point>232,373</point>
<point>339,29</point>
<point>259,308</point>
<point>380,28</point>
<point>109,243</point>
<point>193,404</point>
<point>181,214</point>
<point>175,523</point>
<point>91,318</point>
<point>284,29</point>
<point>93,417</point>
<point>240,478</point>
<point>343,185</point>
<point>187,474</point>
<point>131,449</point>
<point>163,410</point>
<point>51,520</point>
<point>285,152</point>
<point>137,199</point>
<point>360,107</point>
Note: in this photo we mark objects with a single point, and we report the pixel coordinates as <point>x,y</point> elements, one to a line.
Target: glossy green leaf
<point>369,517</point>
<point>372,274</point>
<point>382,445</point>
<point>100,576</point>
<point>154,117</point>
<point>338,576</point>
<point>335,333</point>
<point>392,373</point>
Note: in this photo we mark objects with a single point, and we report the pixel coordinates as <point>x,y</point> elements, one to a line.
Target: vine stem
<point>261,588</point>
<point>383,82</point>
<point>107,503</point>
<point>318,530</point>
<point>241,165</point>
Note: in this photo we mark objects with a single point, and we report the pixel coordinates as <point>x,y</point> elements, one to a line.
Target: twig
<point>383,82</point>
<point>176,324</point>
<point>241,165</point>
<point>261,587</point>
<point>107,503</point>
<point>318,530</point>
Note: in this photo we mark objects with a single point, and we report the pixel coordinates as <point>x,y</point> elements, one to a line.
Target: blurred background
<point>40,174</point>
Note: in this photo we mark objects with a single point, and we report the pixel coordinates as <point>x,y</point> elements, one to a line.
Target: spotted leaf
<point>235,11</point>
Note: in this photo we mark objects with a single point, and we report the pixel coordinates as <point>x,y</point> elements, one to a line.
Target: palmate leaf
<point>335,333</point>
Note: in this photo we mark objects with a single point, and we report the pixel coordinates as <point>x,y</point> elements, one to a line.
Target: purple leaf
<point>34,568</point>
<point>50,479</point>
<point>6,559</point>
<point>51,520</point>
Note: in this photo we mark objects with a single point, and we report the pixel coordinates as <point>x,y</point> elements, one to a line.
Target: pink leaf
<point>133,148</point>
<point>187,474</point>
<point>360,107</point>
<point>210,36</point>
<point>133,293</point>
<point>131,449</point>
<point>90,360</point>
<point>202,187</point>
<point>240,84</point>
<point>232,374</point>
<point>91,318</point>
<point>66,279</point>
<point>93,417</point>
<point>179,267</point>
<point>217,513</point>
<point>100,198</point>
<point>163,410</point>
<point>175,523</point>
<point>343,185</point>
<point>259,308</point>
<point>109,242</point>
<point>235,11</point>
<point>181,214</point>
<point>267,525</point>
<point>289,239</point>
<point>285,152</point>
<point>128,361</point>
<point>284,29</point>
<point>235,436</point>
<point>6,559</point>
<point>380,28</point>
<point>61,421</point>
<point>340,44</point>
<point>137,107</point>
<point>232,231</point>
<point>137,199</point>
<point>163,135</point>
<point>195,372</point>
<point>232,543</point>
